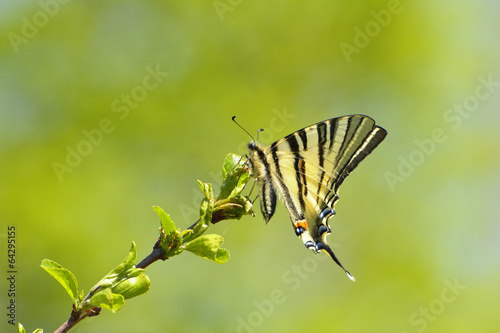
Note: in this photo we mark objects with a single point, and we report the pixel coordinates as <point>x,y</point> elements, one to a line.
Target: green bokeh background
<point>275,65</point>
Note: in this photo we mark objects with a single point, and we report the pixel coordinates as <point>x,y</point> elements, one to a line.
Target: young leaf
<point>106,299</point>
<point>230,162</point>
<point>127,264</point>
<point>63,276</point>
<point>170,238</point>
<point>166,222</point>
<point>20,329</point>
<point>206,210</point>
<point>133,286</point>
<point>232,208</point>
<point>235,175</point>
<point>207,204</point>
<point>124,281</point>
<point>208,247</point>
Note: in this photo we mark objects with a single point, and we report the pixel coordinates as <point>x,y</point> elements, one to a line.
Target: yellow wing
<point>307,167</point>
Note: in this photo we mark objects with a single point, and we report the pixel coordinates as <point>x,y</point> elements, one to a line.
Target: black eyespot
<point>322,229</point>
<point>326,212</point>
<point>299,230</point>
<point>320,246</point>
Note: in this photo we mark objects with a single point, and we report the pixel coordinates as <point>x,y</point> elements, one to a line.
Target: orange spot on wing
<point>301,223</point>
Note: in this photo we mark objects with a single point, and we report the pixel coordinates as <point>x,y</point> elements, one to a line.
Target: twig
<point>76,317</point>
<point>155,255</point>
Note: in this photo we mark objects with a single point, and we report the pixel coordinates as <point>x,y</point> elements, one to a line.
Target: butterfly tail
<point>325,247</point>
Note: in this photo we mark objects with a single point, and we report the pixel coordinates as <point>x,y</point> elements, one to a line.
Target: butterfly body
<point>306,168</point>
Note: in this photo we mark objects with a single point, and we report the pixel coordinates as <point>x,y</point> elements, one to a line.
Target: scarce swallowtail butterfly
<point>306,169</point>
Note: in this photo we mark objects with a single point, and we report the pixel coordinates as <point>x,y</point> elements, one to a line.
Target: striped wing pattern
<point>306,169</point>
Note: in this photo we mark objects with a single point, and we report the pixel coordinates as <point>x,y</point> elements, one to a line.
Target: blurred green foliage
<point>109,107</point>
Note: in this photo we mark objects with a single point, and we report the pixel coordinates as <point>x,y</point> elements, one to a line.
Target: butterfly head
<point>258,161</point>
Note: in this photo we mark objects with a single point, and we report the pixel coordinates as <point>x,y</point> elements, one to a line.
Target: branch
<point>154,256</point>
<point>157,252</point>
<point>128,280</point>
<point>76,317</point>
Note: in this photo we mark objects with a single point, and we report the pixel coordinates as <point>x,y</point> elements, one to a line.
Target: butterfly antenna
<point>330,252</point>
<point>242,127</point>
<point>258,133</point>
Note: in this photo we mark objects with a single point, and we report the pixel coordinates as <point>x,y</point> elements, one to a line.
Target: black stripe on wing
<point>369,142</point>
<point>360,137</point>
<point>299,165</point>
<point>321,129</point>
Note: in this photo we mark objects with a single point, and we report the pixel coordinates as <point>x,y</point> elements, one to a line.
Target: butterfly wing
<point>307,167</point>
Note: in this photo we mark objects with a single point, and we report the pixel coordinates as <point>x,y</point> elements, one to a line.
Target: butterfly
<point>306,168</point>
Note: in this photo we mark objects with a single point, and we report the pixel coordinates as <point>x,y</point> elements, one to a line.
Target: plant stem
<point>157,253</point>
<point>76,317</point>
<point>151,258</point>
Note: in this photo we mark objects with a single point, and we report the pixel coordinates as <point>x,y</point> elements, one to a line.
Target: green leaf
<point>110,278</point>
<point>235,175</point>
<point>207,204</point>
<point>170,237</point>
<point>208,247</point>
<point>128,262</point>
<point>230,162</point>
<point>172,245</point>
<point>63,276</point>
<point>206,189</point>
<point>232,208</point>
<point>106,299</point>
<point>133,286</point>
<point>206,210</point>
<point>124,281</point>
<point>80,297</point>
<point>20,329</point>
<point>166,222</point>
